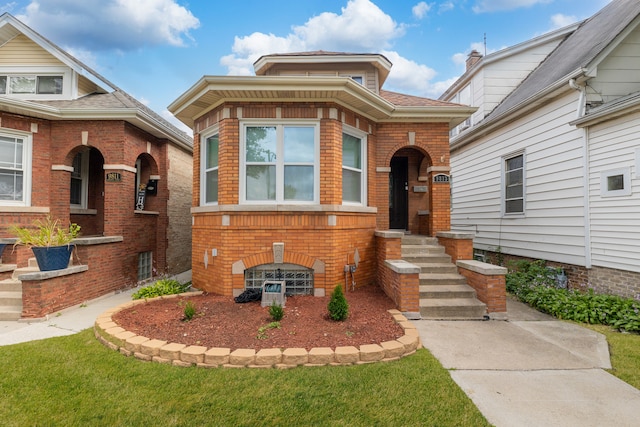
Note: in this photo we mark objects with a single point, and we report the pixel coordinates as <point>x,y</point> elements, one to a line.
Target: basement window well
<point>298,279</point>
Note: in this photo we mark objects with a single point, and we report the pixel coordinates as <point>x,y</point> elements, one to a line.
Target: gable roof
<point>109,102</point>
<point>574,56</point>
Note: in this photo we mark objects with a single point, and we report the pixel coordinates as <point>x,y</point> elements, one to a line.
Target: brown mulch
<point>221,322</point>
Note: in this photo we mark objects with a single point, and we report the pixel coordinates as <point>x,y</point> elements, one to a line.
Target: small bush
<point>338,306</point>
<point>533,283</point>
<point>276,311</point>
<point>189,310</point>
<point>161,287</point>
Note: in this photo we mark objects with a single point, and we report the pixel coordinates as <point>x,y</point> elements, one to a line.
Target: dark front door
<point>398,189</point>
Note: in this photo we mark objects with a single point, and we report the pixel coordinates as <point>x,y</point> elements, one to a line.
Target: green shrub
<point>533,283</point>
<point>189,310</point>
<point>276,311</point>
<point>338,306</point>
<point>161,287</point>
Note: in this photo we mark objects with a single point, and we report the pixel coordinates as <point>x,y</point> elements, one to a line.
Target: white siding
<point>615,221</point>
<point>618,74</point>
<point>553,225</point>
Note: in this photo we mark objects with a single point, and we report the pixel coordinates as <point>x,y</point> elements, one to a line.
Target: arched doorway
<point>86,190</point>
<point>409,191</point>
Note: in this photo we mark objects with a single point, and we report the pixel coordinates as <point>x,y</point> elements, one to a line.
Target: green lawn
<point>74,380</point>
<point>624,350</point>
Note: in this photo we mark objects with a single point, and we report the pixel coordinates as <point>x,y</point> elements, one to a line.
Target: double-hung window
<point>280,163</point>
<point>210,150</point>
<point>15,180</point>
<point>353,168</point>
<point>514,184</point>
<point>80,180</point>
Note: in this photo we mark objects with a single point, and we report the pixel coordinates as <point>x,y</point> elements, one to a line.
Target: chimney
<point>473,58</point>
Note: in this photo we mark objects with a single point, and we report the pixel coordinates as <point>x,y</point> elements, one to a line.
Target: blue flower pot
<point>52,257</point>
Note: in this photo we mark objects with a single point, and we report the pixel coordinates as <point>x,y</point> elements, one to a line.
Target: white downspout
<point>585,172</point>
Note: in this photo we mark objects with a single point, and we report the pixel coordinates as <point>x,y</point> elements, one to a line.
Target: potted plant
<point>49,241</point>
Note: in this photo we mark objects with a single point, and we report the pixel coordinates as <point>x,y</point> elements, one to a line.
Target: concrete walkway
<point>533,370</point>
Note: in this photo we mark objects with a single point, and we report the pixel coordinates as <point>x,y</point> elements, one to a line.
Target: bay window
<point>210,147</point>
<point>353,176</point>
<point>15,152</point>
<point>280,163</point>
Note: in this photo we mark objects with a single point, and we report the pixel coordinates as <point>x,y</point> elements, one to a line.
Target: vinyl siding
<point>552,227</point>
<point>615,221</point>
<point>23,51</point>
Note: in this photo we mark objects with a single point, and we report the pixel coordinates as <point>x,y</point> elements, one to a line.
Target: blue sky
<point>156,49</point>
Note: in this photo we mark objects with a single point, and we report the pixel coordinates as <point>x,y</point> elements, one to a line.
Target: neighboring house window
<point>615,182</point>
<point>80,180</point>
<point>281,163</point>
<point>31,84</point>
<point>514,185</point>
<point>353,172</point>
<point>15,172</point>
<point>357,79</point>
<point>210,150</point>
<point>298,279</point>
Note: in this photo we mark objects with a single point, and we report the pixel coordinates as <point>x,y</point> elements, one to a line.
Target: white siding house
<point>550,165</point>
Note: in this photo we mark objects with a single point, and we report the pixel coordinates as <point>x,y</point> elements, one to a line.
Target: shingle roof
<point>576,52</point>
<point>402,100</point>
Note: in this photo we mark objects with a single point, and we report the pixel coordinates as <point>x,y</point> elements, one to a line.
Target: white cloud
<point>410,77</point>
<point>361,27</point>
<point>446,6</point>
<point>500,5</point>
<point>111,24</point>
<point>559,20</point>
<point>420,10</point>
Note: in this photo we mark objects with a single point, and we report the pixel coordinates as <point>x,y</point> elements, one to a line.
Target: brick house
<point>297,167</point>
<point>76,147</point>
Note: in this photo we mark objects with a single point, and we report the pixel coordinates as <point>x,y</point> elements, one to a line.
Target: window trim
<point>626,180</point>
<point>84,180</point>
<point>36,72</point>
<point>27,152</point>
<point>503,183</point>
<point>203,165</point>
<point>357,133</point>
<point>280,164</point>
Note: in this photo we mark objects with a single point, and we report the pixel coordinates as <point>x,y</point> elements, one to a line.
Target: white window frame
<point>626,182</point>
<point>84,180</point>
<point>279,162</point>
<point>27,150</point>
<point>363,171</point>
<point>503,172</point>
<point>65,72</point>
<point>203,166</point>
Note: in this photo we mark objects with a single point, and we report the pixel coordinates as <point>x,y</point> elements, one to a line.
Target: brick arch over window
<point>289,258</point>
<point>85,188</point>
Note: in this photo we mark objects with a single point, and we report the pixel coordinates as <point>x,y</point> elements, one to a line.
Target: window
<point>145,265</point>
<point>79,180</point>
<point>514,185</point>
<point>280,163</point>
<point>357,79</point>
<point>31,84</point>
<point>210,149</point>
<point>353,176</point>
<point>15,179</point>
<point>298,279</point>
<point>615,182</point>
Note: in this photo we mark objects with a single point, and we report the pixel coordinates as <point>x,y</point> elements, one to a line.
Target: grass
<point>624,350</point>
<point>74,380</point>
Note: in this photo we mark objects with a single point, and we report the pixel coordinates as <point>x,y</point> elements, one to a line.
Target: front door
<point>398,190</point>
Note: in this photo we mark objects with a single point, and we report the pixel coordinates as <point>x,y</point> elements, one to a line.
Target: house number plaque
<point>113,177</point>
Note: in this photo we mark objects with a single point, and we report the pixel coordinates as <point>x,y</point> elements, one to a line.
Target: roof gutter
<point>523,107</point>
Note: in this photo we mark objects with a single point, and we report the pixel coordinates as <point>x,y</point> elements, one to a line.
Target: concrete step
<point>440,268</point>
<point>422,249</point>
<point>452,309</point>
<point>416,239</point>
<point>10,285</point>
<point>427,258</point>
<point>447,291</point>
<point>10,313</point>
<point>11,299</point>
<point>442,279</point>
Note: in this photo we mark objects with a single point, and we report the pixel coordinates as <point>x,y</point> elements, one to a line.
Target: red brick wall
<point>402,289</point>
<point>490,289</point>
<point>457,248</point>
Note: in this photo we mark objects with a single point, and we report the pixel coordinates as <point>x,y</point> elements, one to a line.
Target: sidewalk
<point>533,370</point>
<point>65,322</point>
